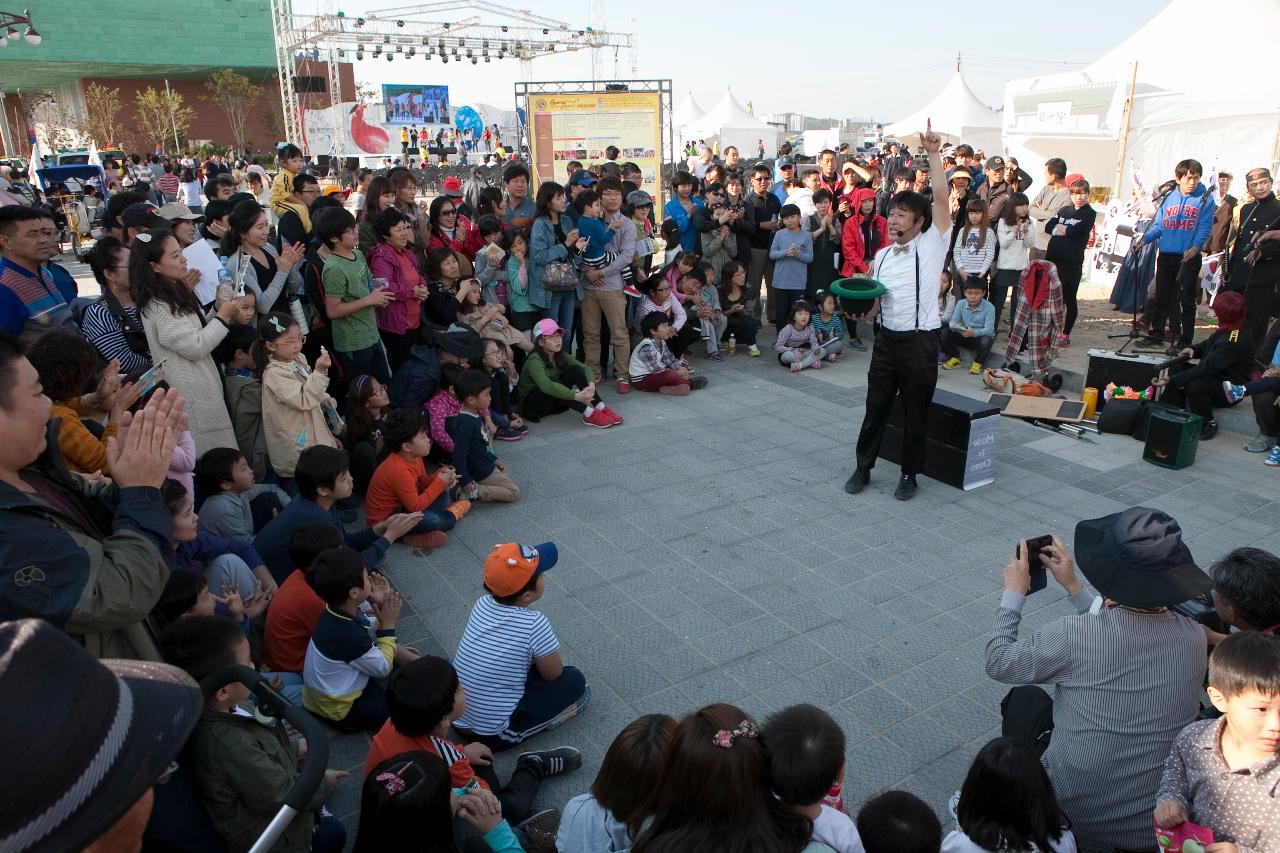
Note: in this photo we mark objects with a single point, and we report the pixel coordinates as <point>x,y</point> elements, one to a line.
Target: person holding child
<point>508,659</point>
<point>1223,773</point>
<point>972,326</point>
<point>401,483</point>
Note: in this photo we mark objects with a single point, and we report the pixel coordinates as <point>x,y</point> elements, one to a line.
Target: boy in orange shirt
<point>401,482</point>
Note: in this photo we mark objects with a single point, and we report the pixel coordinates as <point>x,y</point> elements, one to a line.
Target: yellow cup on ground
<point>1090,398</point>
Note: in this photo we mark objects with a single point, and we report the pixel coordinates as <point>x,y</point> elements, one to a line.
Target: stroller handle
<point>317,760</point>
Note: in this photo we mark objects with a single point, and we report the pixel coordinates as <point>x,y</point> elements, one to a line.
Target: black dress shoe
<point>857,481</point>
<point>906,488</point>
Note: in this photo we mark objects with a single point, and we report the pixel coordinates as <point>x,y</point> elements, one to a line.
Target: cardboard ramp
<point>1038,408</point>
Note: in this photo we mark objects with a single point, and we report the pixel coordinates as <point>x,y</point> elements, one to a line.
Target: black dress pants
<point>903,363</point>
<point>1175,297</point>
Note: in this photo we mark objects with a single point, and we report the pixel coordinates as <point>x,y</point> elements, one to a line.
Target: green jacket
<point>242,770</point>
<point>546,378</point>
<point>94,565</point>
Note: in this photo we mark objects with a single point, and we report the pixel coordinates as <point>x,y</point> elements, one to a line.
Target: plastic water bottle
<point>225,290</point>
<point>733,345</point>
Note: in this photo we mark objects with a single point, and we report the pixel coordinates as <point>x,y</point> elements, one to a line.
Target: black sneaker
<point>1208,430</point>
<point>552,762</point>
<point>508,434</point>
<point>906,488</point>
<point>696,382</point>
<point>857,481</point>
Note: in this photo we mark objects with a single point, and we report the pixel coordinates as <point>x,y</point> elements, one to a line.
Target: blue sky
<point>705,46</point>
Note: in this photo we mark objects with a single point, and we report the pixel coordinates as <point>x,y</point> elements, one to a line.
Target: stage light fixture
<point>444,57</point>
<point>446,26</point>
<point>412,51</point>
<point>359,22</point>
<point>399,23</point>
<point>486,57</point>
<point>399,48</point>
<point>504,28</point>
<point>386,39</point>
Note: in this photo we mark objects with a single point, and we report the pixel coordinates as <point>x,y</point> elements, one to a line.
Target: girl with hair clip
<point>180,335</point>
<point>1007,805</point>
<point>974,250</point>
<point>607,819</point>
<point>1017,238</point>
<point>272,277</point>
<point>294,397</point>
<point>367,405</point>
<point>408,805</point>
<point>713,792</point>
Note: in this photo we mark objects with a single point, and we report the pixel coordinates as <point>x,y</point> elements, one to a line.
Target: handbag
<point>559,277</point>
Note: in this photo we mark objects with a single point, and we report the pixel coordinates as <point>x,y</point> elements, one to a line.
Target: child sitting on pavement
<point>972,326</point>
<point>653,367</point>
<point>508,659</point>
<point>503,378</point>
<point>898,822</point>
<point>1223,773</point>
<point>344,664</point>
<point>231,504</point>
<point>296,607</point>
<point>806,757</point>
<point>242,765</point>
<point>829,325</point>
<point>480,474</point>
<point>423,698</point>
<point>797,342</point>
<point>401,483</point>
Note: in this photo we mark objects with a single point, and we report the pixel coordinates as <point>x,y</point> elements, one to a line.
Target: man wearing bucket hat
<point>105,733</point>
<point>1126,669</point>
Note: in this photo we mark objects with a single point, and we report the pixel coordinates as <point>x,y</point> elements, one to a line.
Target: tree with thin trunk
<point>161,115</point>
<point>102,107</point>
<point>234,94</point>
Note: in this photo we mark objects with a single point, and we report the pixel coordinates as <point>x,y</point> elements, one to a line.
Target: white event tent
<point>957,116</point>
<point>728,123</point>
<point>687,114</point>
<point>1210,101</point>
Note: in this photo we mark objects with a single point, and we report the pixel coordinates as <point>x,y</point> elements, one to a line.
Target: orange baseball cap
<point>509,567</point>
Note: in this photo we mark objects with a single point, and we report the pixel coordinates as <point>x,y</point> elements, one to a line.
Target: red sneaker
<point>623,386</point>
<point>598,419</point>
<point>614,416</point>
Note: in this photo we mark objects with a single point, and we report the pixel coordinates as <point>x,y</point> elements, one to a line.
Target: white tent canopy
<point>728,123</point>
<point>1223,113</point>
<point>957,116</point>
<point>687,114</point>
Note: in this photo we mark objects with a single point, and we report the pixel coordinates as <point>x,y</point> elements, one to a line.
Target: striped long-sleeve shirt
<point>789,337</point>
<point>969,257</point>
<point>107,336</point>
<point>1125,684</point>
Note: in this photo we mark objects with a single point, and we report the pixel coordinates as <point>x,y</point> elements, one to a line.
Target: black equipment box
<point>960,439</point>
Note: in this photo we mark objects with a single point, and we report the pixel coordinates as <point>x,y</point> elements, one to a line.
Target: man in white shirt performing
<point>905,358</point>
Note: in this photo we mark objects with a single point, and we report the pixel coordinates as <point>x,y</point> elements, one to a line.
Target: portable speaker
<point>1172,438</point>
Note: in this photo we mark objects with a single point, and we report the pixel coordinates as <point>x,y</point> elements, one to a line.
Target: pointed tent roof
<point>688,113</point>
<point>955,111</point>
<point>728,113</point>
<point>1161,66</point>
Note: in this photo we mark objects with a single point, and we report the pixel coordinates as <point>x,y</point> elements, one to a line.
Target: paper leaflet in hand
<point>1186,837</point>
<point>202,259</point>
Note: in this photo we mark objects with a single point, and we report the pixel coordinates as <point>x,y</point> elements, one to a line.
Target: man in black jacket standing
<point>1253,265</point>
<point>765,212</point>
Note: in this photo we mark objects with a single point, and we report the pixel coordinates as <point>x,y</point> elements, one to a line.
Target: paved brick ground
<point>708,553</point>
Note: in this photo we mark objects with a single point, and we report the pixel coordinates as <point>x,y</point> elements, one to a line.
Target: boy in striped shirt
<point>508,659</point>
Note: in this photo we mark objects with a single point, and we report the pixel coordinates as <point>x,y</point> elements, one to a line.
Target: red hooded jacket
<point>852,245</point>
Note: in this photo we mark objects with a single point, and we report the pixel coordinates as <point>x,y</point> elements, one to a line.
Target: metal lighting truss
<point>490,31</point>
